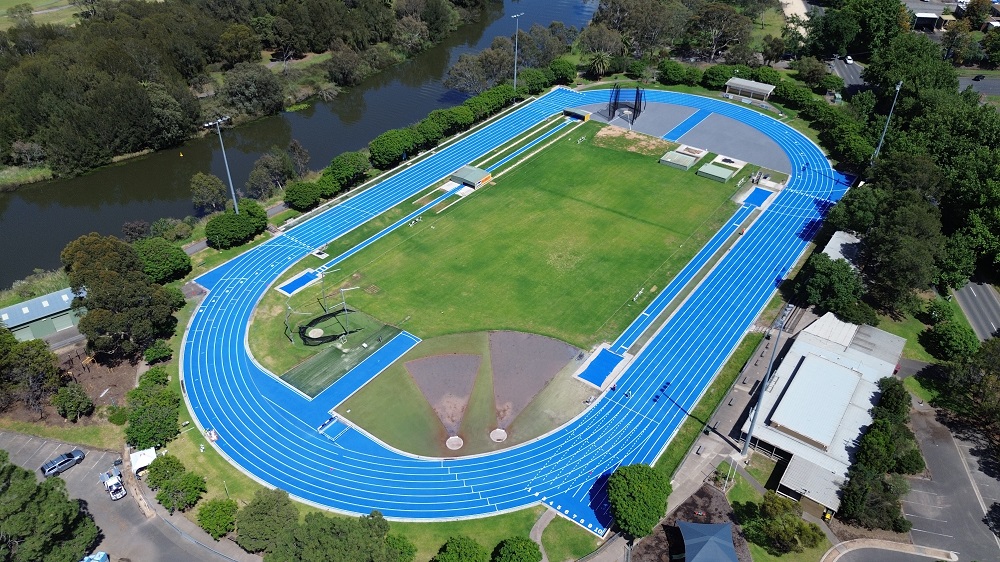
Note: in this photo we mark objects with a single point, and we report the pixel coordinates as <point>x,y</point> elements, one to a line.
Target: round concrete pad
<point>498,435</point>
<point>315,333</point>
<point>454,443</point>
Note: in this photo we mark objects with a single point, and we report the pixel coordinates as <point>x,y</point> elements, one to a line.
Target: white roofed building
<point>816,406</point>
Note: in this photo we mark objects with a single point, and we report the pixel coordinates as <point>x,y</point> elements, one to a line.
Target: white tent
<point>142,459</point>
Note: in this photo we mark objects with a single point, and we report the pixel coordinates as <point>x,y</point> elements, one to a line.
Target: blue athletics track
<point>270,431</point>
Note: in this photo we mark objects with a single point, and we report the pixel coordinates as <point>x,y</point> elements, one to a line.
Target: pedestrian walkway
<point>539,528</point>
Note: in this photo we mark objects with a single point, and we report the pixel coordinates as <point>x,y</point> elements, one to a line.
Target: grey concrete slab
<point>656,120</point>
<point>125,531</point>
<point>946,509</point>
<point>716,133</point>
<point>724,135</point>
<point>870,554</point>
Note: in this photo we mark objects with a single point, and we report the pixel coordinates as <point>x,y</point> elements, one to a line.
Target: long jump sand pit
<point>522,365</point>
<point>446,382</point>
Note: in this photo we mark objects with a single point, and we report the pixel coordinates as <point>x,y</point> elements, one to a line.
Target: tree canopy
<point>638,497</point>
<point>28,372</point>
<point>40,519</point>
<point>321,538</point>
<point>260,522</point>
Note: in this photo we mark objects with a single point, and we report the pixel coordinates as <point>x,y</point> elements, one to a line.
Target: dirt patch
<point>96,380</point>
<point>522,365</point>
<point>623,139</point>
<point>446,382</point>
<point>847,532</point>
<point>707,505</point>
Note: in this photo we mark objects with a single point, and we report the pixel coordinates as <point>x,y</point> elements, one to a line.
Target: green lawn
<point>761,468</point>
<point>907,327</point>
<point>16,175</point>
<point>101,435</point>
<point>695,422</point>
<point>557,247</point>
<point>773,23</point>
<point>566,541</point>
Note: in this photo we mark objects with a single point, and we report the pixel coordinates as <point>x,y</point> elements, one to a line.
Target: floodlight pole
<point>343,302</point>
<point>887,119</point>
<point>517,31</point>
<point>779,323</point>
<point>216,123</point>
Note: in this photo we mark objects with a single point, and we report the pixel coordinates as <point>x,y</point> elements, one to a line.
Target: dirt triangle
<point>446,382</point>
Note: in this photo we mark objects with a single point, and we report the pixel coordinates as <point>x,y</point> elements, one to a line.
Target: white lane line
<point>932,533</point>
<point>924,517</point>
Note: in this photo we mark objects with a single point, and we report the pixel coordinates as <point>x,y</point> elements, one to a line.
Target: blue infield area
<point>758,196</point>
<point>685,126</point>
<point>299,282</point>
<point>258,418</point>
<point>600,367</point>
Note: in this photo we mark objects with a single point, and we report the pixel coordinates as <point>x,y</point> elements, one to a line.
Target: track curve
<point>269,431</point>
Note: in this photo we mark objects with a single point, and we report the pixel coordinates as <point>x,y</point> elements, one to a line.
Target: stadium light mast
<point>887,119</point>
<point>517,31</point>
<point>779,323</point>
<point>216,123</point>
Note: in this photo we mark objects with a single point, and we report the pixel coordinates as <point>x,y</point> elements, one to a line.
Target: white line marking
<point>932,533</point>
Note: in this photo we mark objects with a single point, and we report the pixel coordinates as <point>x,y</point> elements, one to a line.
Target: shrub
<point>229,229</point>
<point>117,415</point>
<point>766,74</point>
<point>181,493</point>
<point>715,77</point>
<point>672,72</point>
<point>170,230</point>
<point>263,519</point>
<point>912,462</point>
<point>462,549</point>
<point>159,351</point>
<point>302,195</point>
<point>517,549</point>
<point>163,469</point>
<point>950,341</point>
<point>218,517</point>
<point>532,80</point>
<point>71,401</point>
<point>392,147</point>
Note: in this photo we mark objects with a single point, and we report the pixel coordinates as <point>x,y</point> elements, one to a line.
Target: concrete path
<point>838,550</point>
<point>539,527</point>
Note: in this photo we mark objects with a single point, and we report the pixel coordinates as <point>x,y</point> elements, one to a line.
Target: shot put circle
<point>498,435</point>
<point>315,333</point>
<point>454,443</point>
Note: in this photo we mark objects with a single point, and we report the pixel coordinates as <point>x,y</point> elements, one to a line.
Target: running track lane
<point>346,470</point>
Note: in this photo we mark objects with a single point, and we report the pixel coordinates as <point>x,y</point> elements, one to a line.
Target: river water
<point>36,222</point>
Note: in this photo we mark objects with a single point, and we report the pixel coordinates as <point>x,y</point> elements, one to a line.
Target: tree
<point>159,351</point>
<point>349,168</point>
<point>302,196</point>
<point>638,497</point>
<point>162,470</point>
<point>153,409</point>
<point>714,27</point>
<point>976,13</point>
<point>600,63</point>
<point>208,193</point>
<point>252,90</point>
<point>564,71</point>
<point>27,371</point>
<point>830,285</point>
<point>958,41</point>
<point>951,341</point>
<point>125,312</point>
<point>598,38</point>
<point>71,401</point>
<point>135,230</point>
<point>239,43</point>
<point>218,517</point>
<point>916,61</point>
<point>672,72</point>
<point>39,521</point>
<point>938,310</point>
<point>322,538</point>
<point>517,549</point>
<point>461,549</point>
<point>181,493</point>
<point>299,158</point>
<point>161,260</point>
<point>991,46</point>
<point>411,35</point>
<point>229,229</point>
<point>260,522</point>
<point>833,31</point>
<point>772,49</point>
<point>810,70</point>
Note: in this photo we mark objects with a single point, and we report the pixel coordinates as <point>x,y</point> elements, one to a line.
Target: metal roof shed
<point>471,176</point>
<point>749,88</point>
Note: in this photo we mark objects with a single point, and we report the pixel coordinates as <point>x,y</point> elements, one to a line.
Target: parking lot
<point>126,533</point>
<point>946,509</point>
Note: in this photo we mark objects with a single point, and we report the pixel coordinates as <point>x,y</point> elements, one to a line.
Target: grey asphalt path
<point>870,554</point>
<point>989,86</point>
<point>126,532</point>
<point>981,305</point>
<point>947,509</point>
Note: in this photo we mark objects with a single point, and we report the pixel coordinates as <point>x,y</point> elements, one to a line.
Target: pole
<point>780,323</point>
<point>517,30</point>
<point>887,119</point>
<point>236,206</point>
<point>343,302</point>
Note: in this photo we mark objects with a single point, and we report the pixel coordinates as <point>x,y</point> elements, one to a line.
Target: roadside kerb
<point>838,550</point>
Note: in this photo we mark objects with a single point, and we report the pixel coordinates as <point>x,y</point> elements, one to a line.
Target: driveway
<point>126,533</point>
<point>981,305</point>
<point>947,509</point>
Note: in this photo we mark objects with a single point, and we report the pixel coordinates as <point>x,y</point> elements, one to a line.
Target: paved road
<point>126,531</point>
<point>946,509</point>
<point>987,86</point>
<point>870,554</point>
<point>851,73</point>
<point>981,305</point>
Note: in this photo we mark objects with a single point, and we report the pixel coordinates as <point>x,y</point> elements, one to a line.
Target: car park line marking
<point>925,517</point>
<point>932,533</point>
